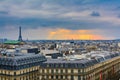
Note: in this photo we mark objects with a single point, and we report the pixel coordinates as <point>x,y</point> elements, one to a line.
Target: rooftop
<point>16,61</point>
<point>90,59</point>
<point>11,42</point>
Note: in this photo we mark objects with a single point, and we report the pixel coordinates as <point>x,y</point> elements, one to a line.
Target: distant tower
<point>20,35</point>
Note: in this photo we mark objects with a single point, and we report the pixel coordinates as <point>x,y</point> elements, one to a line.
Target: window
<point>61,70</point>
<point>56,76</point>
<point>61,76</point>
<point>47,77</point>
<point>61,65</point>
<point>57,65</point>
<point>79,78</point>
<point>52,71</point>
<point>52,77</point>
<point>79,70</point>
<point>66,76</point>
<point>49,70</point>
<point>56,70</point>
<point>14,73</point>
<point>47,65</point>
<point>72,77</point>
<point>71,70</point>
<point>42,70</point>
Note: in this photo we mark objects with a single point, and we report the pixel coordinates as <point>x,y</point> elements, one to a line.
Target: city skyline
<point>73,19</point>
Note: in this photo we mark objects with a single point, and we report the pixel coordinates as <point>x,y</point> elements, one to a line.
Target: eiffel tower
<point>20,35</point>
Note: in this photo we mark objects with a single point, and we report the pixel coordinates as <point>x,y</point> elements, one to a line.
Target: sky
<point>60,19</point>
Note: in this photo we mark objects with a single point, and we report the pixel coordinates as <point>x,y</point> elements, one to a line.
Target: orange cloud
<point>74,34</point>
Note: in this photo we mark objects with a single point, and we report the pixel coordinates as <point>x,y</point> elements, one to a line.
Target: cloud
<point>75,14</point>
<point>3,12</point>
<point>68,15</point>
<point>96,14</point>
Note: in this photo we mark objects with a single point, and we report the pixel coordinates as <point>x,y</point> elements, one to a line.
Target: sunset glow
<point>74,34</point>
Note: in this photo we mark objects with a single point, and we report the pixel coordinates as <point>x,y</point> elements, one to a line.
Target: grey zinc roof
<point>19,60</point>
<point>69,64</point>
<point>78,63</point>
